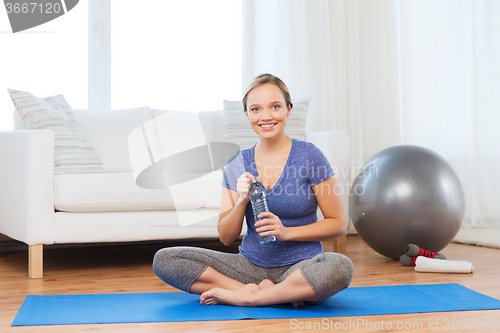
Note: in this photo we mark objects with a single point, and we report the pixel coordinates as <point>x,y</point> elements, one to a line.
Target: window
<point>169,54</point>
<point>46,60</point>
<point>182,55</point>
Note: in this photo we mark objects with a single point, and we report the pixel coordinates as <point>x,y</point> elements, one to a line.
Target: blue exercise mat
<point>179,306</point>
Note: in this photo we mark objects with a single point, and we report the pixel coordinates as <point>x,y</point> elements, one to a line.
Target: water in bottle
<point>259,205</point>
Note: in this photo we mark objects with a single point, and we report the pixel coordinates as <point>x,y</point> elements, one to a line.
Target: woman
<point>296,177</point>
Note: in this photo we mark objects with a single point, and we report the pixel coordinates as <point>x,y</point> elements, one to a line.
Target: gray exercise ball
<point>406,195</point>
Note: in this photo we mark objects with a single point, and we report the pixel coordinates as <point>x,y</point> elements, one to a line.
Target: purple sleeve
<point>234,168</point>
<point>319,167</point>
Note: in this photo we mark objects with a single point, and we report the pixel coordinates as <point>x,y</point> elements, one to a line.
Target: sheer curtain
<point>392,72</point>
<point>313,47</point>
<point>450,83</point>
<point>342,53</point>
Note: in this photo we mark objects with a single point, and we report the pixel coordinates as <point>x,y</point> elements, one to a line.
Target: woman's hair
<point>263,79</point>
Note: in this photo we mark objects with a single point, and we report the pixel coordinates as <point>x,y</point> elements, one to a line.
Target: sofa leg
<point>35,261</point>
<point>340,244</point>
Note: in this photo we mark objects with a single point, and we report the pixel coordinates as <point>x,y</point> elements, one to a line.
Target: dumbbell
<point>413,251</point>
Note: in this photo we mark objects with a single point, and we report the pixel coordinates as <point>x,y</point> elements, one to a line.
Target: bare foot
<point>239,297</point>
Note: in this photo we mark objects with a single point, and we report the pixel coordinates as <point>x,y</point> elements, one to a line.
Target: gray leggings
<point>327,273</point>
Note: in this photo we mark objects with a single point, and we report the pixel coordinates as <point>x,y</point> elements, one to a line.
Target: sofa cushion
<point>118,192</point>
<point>73,151</point>
<point>178,132</point>
<point>211,122</point>
<point>109,130</point>
<point>187,141</point>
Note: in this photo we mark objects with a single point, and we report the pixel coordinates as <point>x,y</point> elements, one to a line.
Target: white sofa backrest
<point>108,130</point>
<point>18,122</point>
<point>178,137</point>
<point>212,122</point>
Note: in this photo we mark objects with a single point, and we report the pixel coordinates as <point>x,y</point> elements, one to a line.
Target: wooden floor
<point>127,269</point>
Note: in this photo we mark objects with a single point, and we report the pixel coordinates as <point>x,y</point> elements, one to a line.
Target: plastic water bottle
<point>259,205</point>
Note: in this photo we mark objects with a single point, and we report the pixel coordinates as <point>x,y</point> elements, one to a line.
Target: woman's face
<point>267,110</point>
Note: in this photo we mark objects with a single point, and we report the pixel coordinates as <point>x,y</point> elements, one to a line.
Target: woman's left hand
<point>271,225</point>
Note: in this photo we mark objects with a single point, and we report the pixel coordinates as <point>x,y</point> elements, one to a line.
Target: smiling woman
<point>292,268</point>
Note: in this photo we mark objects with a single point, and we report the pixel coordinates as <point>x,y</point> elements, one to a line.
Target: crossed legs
<point>223,278</point>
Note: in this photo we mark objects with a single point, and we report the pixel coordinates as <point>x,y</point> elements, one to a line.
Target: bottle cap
<point>254,184</point>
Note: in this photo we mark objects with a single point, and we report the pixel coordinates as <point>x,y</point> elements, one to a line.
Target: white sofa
<point>38,207</point>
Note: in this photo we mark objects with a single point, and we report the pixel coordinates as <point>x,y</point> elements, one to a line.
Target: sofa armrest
<point>26,190</point>
<point>336,147</point>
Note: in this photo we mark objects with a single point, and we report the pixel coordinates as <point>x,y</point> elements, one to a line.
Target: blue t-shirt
<point>291,199</point>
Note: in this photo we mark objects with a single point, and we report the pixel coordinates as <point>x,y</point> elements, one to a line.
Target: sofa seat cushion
<point>109,192</point>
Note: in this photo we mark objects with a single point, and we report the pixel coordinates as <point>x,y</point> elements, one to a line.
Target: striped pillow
<point>73,152</point>
<point>237,129</point>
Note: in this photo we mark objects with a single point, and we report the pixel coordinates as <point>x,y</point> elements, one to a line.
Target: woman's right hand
<point>243,185</point>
